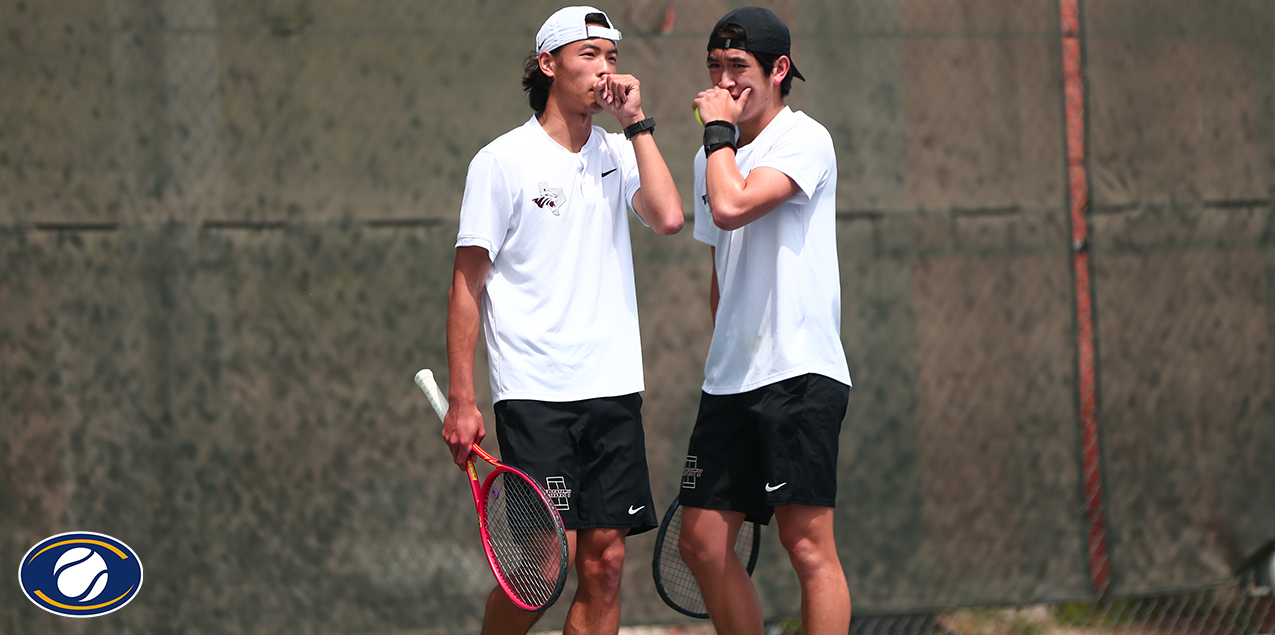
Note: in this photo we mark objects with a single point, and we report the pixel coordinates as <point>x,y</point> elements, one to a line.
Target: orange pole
<point>1078,194</point>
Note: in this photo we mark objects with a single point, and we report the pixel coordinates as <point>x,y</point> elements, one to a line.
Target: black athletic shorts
<point>776,445</point>
<point>589,455</point>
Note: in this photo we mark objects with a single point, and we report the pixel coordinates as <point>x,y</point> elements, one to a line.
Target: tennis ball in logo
<point>81,574</point>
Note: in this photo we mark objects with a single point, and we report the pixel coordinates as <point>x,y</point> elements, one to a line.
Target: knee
<point>808,556</point>
<point>700,550</point>
<point>696,549</point>
<point>603,566</point>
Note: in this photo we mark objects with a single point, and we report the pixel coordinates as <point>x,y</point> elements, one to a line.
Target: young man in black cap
<point>544,266</point>
<point>776,383</point>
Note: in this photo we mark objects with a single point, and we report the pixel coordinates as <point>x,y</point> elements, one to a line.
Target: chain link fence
<point>226,232</point>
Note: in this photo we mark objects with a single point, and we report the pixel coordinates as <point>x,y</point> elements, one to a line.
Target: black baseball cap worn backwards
<point>763,31</point>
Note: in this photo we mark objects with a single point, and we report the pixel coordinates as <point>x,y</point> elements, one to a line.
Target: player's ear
<point>546,61</point>
<point>783,66</point>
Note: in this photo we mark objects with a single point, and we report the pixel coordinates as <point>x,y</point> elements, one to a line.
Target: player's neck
<point>748,130</point>
<point>570,129</point>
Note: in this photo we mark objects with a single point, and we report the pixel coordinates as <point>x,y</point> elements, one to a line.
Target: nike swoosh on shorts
<point>634,511</point>
<point>771,489</point>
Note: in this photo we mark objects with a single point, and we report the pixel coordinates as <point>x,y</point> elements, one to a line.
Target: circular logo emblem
<point>80,574</point>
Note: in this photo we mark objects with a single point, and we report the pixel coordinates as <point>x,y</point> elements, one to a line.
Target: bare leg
<point>806,533</point>
<point>599,563</point>
<point>707,545</point>
<point>503,617</point>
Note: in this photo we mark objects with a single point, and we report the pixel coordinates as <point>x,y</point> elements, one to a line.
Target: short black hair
<point>534,80</point>
<point>765,60</point>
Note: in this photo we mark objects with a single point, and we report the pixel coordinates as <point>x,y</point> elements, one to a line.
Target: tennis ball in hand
<point>697,117</point>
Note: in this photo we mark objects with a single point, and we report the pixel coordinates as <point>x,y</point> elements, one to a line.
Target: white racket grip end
<point>425,379</point>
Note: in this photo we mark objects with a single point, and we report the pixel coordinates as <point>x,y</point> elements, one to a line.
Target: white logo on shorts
<point>634,511</point>
<point>557,490</point>
<point>769,488</point>
<point>691,472</point>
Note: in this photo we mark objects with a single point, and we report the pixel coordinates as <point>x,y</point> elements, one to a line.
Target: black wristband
<point>640,127</point>
<point>718,134</point>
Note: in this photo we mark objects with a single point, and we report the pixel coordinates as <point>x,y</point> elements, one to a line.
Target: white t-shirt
<point>779,311</point>
<point>559,307</point>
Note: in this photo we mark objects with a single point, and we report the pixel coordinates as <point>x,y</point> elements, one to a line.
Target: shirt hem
<point>559,397</point>
<point>754,385</point>
<point>465,240</point>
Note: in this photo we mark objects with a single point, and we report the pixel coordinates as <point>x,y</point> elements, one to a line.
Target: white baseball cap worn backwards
<point>567,25</point>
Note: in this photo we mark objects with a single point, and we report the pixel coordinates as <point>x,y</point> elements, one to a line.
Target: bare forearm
<point>661,204</point>
<point>737,200</point>
<point>657,200</point>
<point>463,425</point>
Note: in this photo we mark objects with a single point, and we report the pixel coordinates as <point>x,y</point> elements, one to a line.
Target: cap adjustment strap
<point>740,43</point>
<point>594,30</point>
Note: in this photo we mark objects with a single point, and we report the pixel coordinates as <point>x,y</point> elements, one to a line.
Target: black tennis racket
<point>673,579</point>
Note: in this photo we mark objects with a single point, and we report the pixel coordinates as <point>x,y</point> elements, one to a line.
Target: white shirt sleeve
<point>487,208</point>
<point>807,159</point>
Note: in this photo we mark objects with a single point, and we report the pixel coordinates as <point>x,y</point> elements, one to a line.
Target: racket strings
<point>524,539</point>
<point>675,577</point>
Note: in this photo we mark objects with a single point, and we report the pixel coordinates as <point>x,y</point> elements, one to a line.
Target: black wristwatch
<point>640,127</point>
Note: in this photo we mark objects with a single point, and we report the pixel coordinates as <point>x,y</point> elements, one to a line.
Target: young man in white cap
<point>543,262</point>
<point>776,382</point>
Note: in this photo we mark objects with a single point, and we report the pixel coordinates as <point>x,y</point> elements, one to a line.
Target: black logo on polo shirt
<point>550,198</point>
<point>607,172</point>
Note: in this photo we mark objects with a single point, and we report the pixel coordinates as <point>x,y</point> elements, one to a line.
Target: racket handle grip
<point>425,379</point>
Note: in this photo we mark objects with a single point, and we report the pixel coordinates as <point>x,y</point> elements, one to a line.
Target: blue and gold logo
<point>80,574</point>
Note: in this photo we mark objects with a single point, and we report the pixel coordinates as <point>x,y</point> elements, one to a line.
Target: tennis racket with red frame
<point>522,533</point>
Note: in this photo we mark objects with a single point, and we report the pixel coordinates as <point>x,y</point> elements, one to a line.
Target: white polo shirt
<point>559,307</point>
<point>779,312</point>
